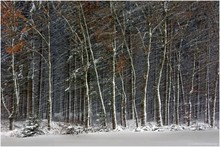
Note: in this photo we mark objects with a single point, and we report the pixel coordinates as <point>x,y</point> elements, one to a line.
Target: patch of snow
<point>121,138</point>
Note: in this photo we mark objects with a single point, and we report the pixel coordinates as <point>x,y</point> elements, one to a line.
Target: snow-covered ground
<point>121,138</point>
<point>198,134</point>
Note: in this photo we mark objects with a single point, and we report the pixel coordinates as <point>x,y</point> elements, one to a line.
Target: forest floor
<point>199,134</point>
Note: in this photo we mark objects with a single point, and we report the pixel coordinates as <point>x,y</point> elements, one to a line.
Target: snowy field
<point>121,138</point>
<point>198,134</point>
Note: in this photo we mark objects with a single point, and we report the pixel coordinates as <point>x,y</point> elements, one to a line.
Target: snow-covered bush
<point>176,128</point>
<point>31,127</point>
<point>199,126</point>
<point>78,129</point>
<point>147,128</point>
<point>73,129</point>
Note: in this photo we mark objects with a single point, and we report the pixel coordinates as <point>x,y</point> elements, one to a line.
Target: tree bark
<point>178,89</point>
<point>114,119</point>
<point>215,88</point>
<point>146,76</point>
<point>124,102</point>
<point>49,101</point>
<point>191,92</point>
<point>207,105</point>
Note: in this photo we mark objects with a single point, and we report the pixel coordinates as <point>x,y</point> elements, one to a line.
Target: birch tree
<point>12,19</point>
<point>159,75</point>
<point>214,96</point>
<point>94,64</point>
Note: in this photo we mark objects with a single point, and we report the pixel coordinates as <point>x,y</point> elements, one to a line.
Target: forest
<point>107,62</point>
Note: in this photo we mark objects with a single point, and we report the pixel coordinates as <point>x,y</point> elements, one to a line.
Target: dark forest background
<point>109,62</point>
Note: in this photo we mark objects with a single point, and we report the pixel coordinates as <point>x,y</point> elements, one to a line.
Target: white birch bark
<point>215,88</point>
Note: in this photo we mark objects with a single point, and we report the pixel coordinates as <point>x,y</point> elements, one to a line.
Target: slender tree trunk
<point>166,92</point>
<point>114,119</point>
<point>215,88</point>
<point>183,97</point>
<point>178,89</point>
<point>82,110</point>
<point>207,106</point>
<point>146,76</point>
<point>87,103</point>
<point>158,80</point>
<point>174,95</point>
<point>131,109</point>
<point>16,99</point>
<point>68,93</point>
<point>198,94</point>
<point>124,102</point>
<point>49,101</point>
<point>38,109</point>
<point>30,96</point>
<point>169,86</point>
<point>191,93</point>
<point>79,105</point>
<point>75,93</point>
<point>95,67</point>
<point>158,99</point>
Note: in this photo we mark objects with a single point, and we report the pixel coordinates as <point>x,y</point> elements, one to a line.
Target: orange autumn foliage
<point>121,64</point>
<point>13,24</point>
<point>16,48</point>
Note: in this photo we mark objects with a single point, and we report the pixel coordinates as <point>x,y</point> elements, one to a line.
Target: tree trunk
<point>191,92</point>
<point>49,101</point>
<point>166,92</point>
<point>207,106</point>
<point>124,102</point>
<point>87,102</point>
<point>198,94</point>
<point>146,76</point>
<point>16,100</point>
<point>30,97</point>
<point>159,76</point>
<point>82,110</point>
<point>174,96</point>
<point>95,67</point>
<point>183,97</point>
<point>40,74</point>
<point>215,88</point>
<point>178,89</point>
<point>11,122</point>
<point>114,119</point>
<point>169,86</point>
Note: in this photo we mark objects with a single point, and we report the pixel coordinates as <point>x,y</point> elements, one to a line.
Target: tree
<point>214,96</point>
<point>94,64</point>
<point>114,50</point>
<point>159,75</point>
<point>13,25</point>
